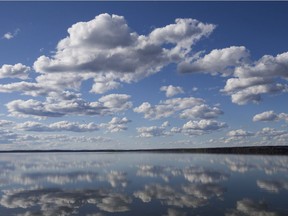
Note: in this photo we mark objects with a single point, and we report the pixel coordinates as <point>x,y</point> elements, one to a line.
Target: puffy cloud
<point>168,107</point>
<point>57,126</point>
<point>152,131</point>
<point>270,116</point>
<point>171,91</point>
<point>19,71</point>
<point>253,80</point>
<point>109,51</point>
<point>202,111</point>
<point>239,133</point>
<point>116,124</point>
<point>202,126</point>
<point>27,88</point>
<point>221,61</point>
<point>57,105</point>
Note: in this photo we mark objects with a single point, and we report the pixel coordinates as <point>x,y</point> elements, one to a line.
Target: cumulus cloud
<point>109,51</point>
<point>203,126</point>
<point>116,124</point>
<point>66,103</point>
<point>239,133</point>
<point>250,81</point>
<point>152,131</point>
<point>58,126</point>
<point>270,116</point>
<point>19,71</point>
<point>202,111</point>
<point>168,107</point>
<point>171,90</point>
<point>221,61</point>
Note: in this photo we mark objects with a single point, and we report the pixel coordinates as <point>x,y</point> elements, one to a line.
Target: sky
<point>130,75</point>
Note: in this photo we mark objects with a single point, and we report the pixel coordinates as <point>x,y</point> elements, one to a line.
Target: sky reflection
<point>99,184</point>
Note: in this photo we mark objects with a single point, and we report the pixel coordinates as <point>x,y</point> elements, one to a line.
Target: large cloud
<point>109,51</point>
<point>260,77</point>
<point>57,105</point>
<point>19,71</point>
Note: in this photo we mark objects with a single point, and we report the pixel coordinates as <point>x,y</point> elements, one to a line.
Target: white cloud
<point>58,126</point>
<point>171,91</point>
<point>239,133</point>
<point>202,111</point>
<point>168,107</point>
<point>109,51</point>
<point>202,126</point>
<point>57,105</point>
<point>270,116</point>
<point>4,123</point>
<point>9,35</point>
<point>152,131</point>
<point>117,124</point>
<point>221,61</point>
<point>253,80</point>
<point>19,71</point>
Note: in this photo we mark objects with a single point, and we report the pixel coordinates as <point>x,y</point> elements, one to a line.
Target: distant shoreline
<point>264,150</point>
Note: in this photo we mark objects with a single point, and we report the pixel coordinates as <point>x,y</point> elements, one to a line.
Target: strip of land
<point>264,150</point>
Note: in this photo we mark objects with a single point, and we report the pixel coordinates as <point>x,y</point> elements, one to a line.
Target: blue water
<point>135,184</point>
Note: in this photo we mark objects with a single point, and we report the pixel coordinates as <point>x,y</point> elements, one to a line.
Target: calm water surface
<point>135,184</point>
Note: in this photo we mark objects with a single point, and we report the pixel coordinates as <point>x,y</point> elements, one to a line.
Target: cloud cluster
<point>109,51</point>
<point>57,126</point>
<point>57,105</point>
<point>116,124</point>
<point>239,133</point>
<point>264,76</point>
<point>19,71</point>
<point>153,131</point>
<point>203,126</point>
<point>189,108</point>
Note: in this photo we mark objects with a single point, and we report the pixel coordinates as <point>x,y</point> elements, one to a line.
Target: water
<point>135,184</point>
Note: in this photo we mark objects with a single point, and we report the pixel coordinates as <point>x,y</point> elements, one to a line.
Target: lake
<point>134,184</point>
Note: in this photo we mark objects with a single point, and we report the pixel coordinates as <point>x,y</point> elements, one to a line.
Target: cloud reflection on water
<point>132,184</point>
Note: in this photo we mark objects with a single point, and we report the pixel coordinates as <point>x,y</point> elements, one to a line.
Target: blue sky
<point>94,75</point>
